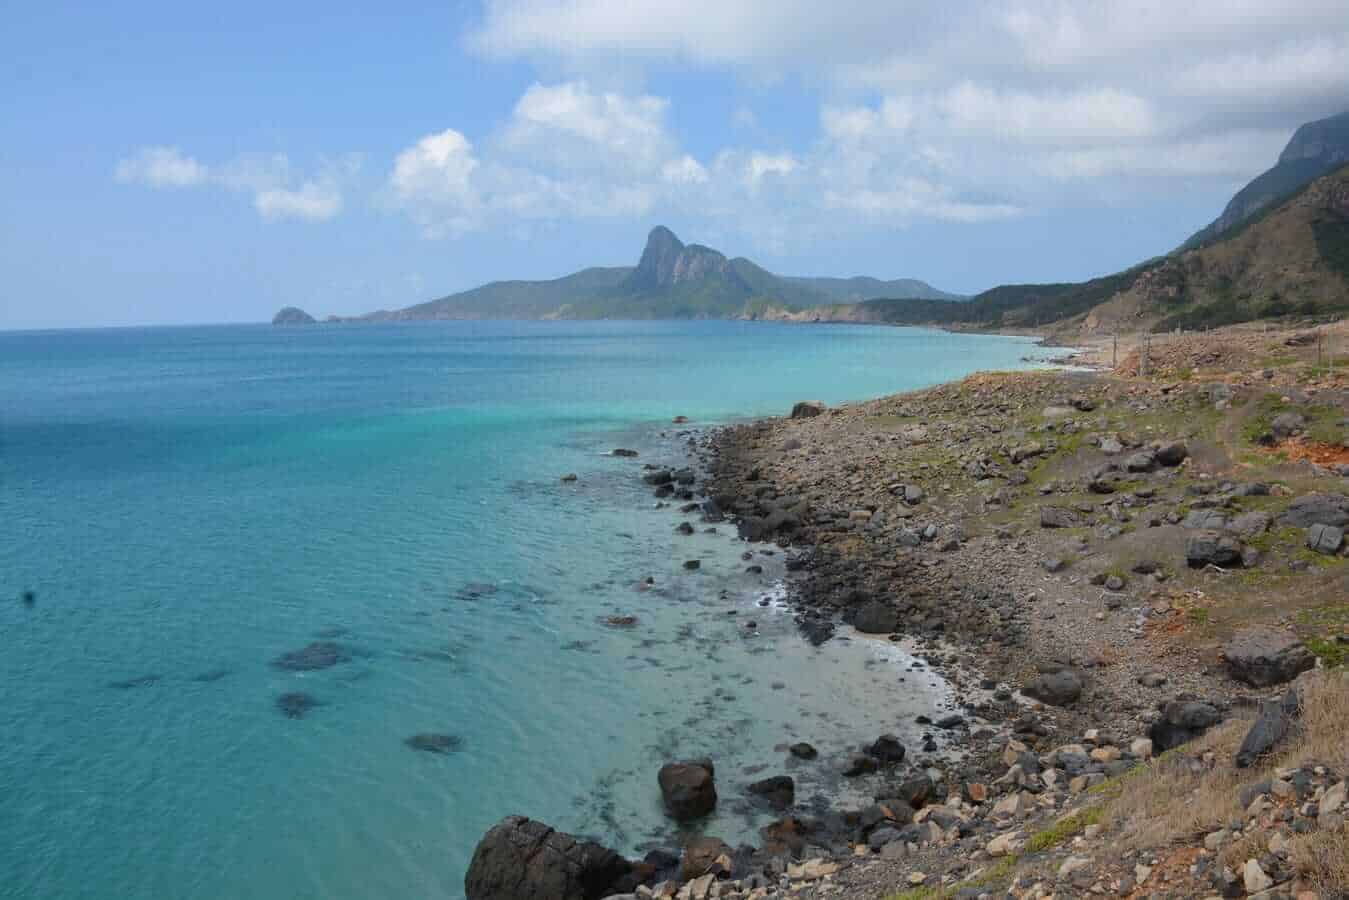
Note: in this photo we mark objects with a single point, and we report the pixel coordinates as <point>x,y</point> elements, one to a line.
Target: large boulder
<point>1317,509</point>
<point>808,409</point>
<point>1263,656</point>
<point>1057,517</point>
<point>1060,688</point>
<point>703,855</point>
<point>688,788</point>
<point>1325,539</point>
<point>1172,454</point>
<point>1210,547</point>
<point>876,618</point>
<point>778,790</point>
<point>1182,721</point>
<point>887,748</point>
<point>520,859</point>
<point>1285,425</point>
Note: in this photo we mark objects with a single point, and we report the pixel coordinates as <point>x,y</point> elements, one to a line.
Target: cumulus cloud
<point>276,191</point>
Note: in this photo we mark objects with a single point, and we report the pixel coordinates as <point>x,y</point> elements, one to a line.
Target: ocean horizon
<point>245,567</point>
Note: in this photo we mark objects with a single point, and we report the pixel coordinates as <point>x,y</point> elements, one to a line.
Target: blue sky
<point>164,163</point>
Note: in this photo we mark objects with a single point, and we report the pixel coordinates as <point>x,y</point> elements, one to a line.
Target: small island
<point>293,315</point>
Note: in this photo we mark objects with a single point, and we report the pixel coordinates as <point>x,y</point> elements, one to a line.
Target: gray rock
<point>913,494</point>
<point>1249,525</point>
<point>1327,539</point>
<point>1205,518</point>
<point>1285,425</point>
<point>1059,688</point>
<point>1317,509</point>
<point>887,749</point>
<point>1057,517</point>
<point>778,790</point>
<point>1182,721</point>
<point>1142,461</point>
<point>520,859</point>
<point>1266,656</point>
<point>1272,726</point>
<point>1212,548</point>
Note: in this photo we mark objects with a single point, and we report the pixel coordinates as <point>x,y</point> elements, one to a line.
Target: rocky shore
<point>1147,579</point>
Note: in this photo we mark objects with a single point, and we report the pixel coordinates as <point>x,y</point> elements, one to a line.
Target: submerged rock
<point>295,704</point>
<point>778,790</point>
<point>520,859</point>
<point>318,655</point>
<point>434,743</point>
<point>142,681</point>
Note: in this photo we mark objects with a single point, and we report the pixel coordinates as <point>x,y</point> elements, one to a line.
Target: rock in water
<point>1262,657</point>
<point>688,788</point>
<point>808,409</point>
<point>520,859</point>
<point>292,315</point>
<point>778,790</point>
<point>434,743</point>
<point>318,655</point>
<point>295,705</point>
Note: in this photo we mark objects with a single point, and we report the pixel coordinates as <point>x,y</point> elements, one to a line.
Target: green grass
<point>1198,615</point>
<point>1333,654</point>
<point>1331,621</point>
<point>1323,422</point>
<point>1064,829</point>
<point>993,876</point>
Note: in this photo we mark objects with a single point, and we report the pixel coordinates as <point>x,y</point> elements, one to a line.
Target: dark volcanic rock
<point>1317,509</point>
<point>1272,726</point>
<point>1213,548</point>
<point>876,618</point>
<point>803,750</point>
<point>887,749</point>
<point>688,789</point>
<point>520,859</point>
<point>1262,656</point>
<point>318,655</point>
<point>703,855</point>
<point>624,451</point>
<point>1172,454</point>
<point>434,743</point>
<point>295,704</point>
<point>808,409</point>
<point>1182,721</point>
<point>778,790</point>
<point>1059,688</point>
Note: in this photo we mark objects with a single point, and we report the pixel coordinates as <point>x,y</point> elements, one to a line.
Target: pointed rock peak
<point>661,237</point>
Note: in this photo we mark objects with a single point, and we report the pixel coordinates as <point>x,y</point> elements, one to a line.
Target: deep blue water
<point>187,504</point>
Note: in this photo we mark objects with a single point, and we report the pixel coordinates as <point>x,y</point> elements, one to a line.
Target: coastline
<point>921,517</point>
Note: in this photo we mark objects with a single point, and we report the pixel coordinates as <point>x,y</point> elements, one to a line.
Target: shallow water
<point>189,504</point>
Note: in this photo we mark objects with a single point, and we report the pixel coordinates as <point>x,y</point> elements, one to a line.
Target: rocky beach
<point>1136,585</point>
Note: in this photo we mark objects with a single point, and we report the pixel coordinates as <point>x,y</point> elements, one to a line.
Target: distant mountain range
<point>672,280</point>
<point>1281,246</point>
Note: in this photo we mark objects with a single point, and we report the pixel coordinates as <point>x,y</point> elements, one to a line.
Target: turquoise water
<point>187,504</point>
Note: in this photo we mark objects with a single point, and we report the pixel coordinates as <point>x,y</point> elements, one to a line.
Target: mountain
<point>1291,257</point>
<point>1316,149</point>
<point>672,280</point>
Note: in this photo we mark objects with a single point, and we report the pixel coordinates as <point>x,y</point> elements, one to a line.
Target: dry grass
<point>1322,858</point>
<point>1179,798</point>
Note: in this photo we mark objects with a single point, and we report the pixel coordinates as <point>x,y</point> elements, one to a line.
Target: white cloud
<point>685,170</point>
<point>161,167</point>
<point>268,178</point>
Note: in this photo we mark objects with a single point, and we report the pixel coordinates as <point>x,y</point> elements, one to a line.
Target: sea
<point>183,507</point>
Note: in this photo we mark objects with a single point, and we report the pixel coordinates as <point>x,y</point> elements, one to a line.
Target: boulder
<point>876,618</point>
<point>1059,688</point>
<point>1285,425</point>
<point>520,859</point>
<point>1209,547</point>
<point>1201,519</point>
<point>1027,451</point>
<point>688,789</point>
<point>1266,656</point>
<point>887,749</point>
<point>1327,539</point>
<point>802,750</point>
<point>1272,725</point>
<point>1182,721</point>
<point>778,790</point>
<point>1057,517</point>
<point>1173,453</point>
<point>808,409</point>
<point>1249,525</point>
<point>1142,461</point>
<point>703,855</point>
<point>1317,509</point>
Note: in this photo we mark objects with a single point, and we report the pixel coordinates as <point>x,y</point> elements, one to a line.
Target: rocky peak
<point>1325,139</point>
<point>668,261</point>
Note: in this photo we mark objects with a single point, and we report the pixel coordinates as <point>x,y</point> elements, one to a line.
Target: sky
<point>165,163</point>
